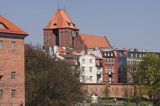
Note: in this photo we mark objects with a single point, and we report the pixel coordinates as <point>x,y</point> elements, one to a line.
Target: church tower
<point>60,31</point>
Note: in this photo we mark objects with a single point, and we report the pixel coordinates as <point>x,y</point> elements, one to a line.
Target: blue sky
<point>126,23</point>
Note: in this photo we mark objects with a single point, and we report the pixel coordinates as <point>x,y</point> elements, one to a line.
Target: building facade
<point>111,65</point>
<point>61,31</point>
<point>12,82</point>
<point>122,65</point>
<point>91,70</point>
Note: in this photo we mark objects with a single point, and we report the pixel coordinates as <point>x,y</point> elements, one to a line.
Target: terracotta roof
<point>92,41</point>
<point>8,27</point>
<point>61,20</point>
<point>62,50</point>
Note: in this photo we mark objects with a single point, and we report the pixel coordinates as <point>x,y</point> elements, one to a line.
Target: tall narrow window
<point>90,69</point>
<point>83,78</point>
<point>13,93</point>
<point>13,44</point>
<point>13,75</point>
<point>83,60</point>
<point>90,60</point>
<point>1,93</point>
<point>1,44</point>
<point>90,78</point>
<point>83,69</point>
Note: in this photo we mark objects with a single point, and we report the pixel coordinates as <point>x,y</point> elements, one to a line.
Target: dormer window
<point>111,54</point>
<point>2,26</point>
<point>74,24</point>
<point>55,24</point>
<point>68,23</point>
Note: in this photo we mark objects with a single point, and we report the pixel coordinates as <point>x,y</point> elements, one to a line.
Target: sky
<point>126,23</point>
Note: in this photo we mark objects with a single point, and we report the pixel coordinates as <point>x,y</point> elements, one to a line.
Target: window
<point>109,60</point>
<point>83,69</point>
<point>13,45</point>
<point>111,54</point>
<point>90,60</point>
<point>112,69</point>
<point>13,93</point>
<point>1,93</point>
<point>2,26</point>
<point>136,55</point>
<point>83,60</point>
<point>1,44</point>
<point>68,23</point>
<point>90,69</point>
<point>140,55</point>
<point>13,75</point>
<point>83,78</point>
<point>108,54</point>
<point>90,78</point>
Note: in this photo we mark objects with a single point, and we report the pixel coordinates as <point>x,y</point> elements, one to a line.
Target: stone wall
<point>115,90</point>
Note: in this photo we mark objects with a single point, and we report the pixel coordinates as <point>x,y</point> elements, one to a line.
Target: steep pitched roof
<point>8,27</point>
<point>92,41</point>
<point>61,20</point>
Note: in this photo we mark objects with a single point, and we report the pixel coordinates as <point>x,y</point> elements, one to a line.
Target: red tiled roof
<point>92,41</point>
<point>10,27</point>
<point>61,20</point>
<point>62,50</point>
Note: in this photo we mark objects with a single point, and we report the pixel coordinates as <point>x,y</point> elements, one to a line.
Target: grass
<point>134,104</point>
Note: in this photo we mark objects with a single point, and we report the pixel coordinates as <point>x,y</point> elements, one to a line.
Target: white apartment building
<point>91,70</point>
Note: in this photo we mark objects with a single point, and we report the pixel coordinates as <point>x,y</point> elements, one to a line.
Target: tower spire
<point>58,5</point>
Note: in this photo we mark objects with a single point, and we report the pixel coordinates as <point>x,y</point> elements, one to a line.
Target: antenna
<point>58,4</point>
<point>64,7</point>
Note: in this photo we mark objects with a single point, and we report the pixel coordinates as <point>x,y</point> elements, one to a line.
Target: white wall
<point>88,75</point>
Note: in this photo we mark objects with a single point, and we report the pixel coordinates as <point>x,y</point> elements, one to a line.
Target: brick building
<point>111,65</point>
<point>117,90</point>
<point>61,31</point>
<point>12,82</point>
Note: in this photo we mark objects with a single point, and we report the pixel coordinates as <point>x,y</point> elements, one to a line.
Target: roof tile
<point>61,20</point>
<point>92,41</point>
<point>9,27</point>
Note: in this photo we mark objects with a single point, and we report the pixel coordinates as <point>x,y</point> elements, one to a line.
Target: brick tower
<point>12,76</point>
<point>60,31</point>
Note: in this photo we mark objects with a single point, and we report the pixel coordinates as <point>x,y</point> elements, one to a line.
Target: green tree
<point>50,82</point>
<point>148,75</point>
<point>106,92</point>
